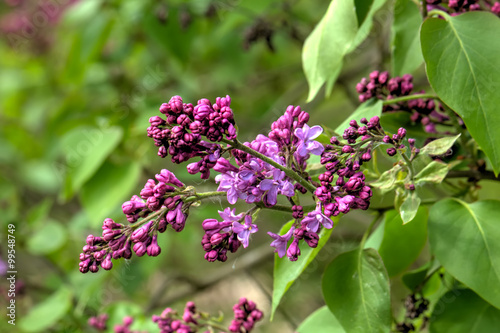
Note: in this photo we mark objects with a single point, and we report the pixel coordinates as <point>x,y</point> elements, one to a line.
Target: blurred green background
<point>78,83</point>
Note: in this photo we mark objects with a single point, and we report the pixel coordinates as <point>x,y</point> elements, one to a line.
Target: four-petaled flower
<point>314,218</point>
<point>280,242</point>
<point>243,231</point>
<point>307,145</point>
<point>275,185</point>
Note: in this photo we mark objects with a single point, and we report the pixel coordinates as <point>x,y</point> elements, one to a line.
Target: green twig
<point>408,98</point>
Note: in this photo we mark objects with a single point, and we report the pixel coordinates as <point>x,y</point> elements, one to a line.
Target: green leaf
<point>362,9</point>
<point>336,35</point>
<point>48,312</point>
<point>461,310</point>
<point>109,187</point>
<point>286,271</point>
<point>414,278</point>
<point>49,237</point>
<point>409,207</point>
<point>356,289</point>
<point>366,25</point>
<point>434,172</point>
<point>464,238</point>
<point>406,52</point>
<point>366,110</point>
<point>376,237</point>
<point>85,149</point>
<point>387,180</point>
<point>327,44</point>
<point>405,240</point>
<point>439,146</point>
<point>463,67</point>
<point>321,321</point>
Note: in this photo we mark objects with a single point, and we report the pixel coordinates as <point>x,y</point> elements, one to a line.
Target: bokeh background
<point>78,83</point>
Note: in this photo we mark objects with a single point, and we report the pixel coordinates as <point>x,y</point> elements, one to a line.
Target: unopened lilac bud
<point>216,239</point>
<point>391,151</point>
<point>193,168</point>
<point>366,156</point>
<point>168,177</point>
<point>90,240</point>
<point>293,251</point>
<point>395,137</point>
<point>107,264</point>
<point>156,121</point>
<point>383,77</point>
<point>130,207</point>
<point>210,224</point>
<point>141,234</point>
<point>223,166</point>
<point>140,249</point>
<point>311,239</point>
<point>303,117</point>
<point>211,256</point>
<point>165,108</point>
<point>387,139</point>
<point>127,321</point>
<point>94,268</point>
<point>153,249</point>
<point>347,149</point>
<point>401,132</point>
<point>334,141</point>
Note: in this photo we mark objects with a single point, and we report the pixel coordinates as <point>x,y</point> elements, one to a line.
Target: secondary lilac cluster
<point>160,199</point>
<point>457,7</point>
<point>246,315</point>
<point>99,322</point>
<point>423,110</point>
<point>181,133</point>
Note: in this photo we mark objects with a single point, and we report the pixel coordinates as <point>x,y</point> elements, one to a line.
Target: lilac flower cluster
<point>457,7</point>
<point>180,135</point>
<point>99,322</point>
<point>423,110</point>
<point>160,204</point>
<point>262,170</point>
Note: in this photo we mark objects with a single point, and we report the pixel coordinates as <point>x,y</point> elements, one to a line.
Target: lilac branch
<point>289,172</point>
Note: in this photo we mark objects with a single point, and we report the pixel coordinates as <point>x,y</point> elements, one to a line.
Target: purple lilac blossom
<point>315,218</point>
<point>244,230</point>
<point>280,242</point>
<point>307,145</point>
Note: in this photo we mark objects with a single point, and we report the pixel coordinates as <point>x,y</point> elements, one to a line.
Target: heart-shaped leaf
<point>464,238</point>
<point>356,289</point>
<point>463,67</point>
